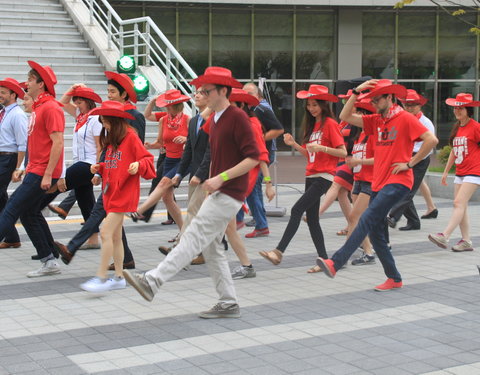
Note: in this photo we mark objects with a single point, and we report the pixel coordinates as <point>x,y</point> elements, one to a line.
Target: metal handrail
<point>144,41</point>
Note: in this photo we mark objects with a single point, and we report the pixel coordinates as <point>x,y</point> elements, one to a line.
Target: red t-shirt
<point>363,150</point>
<point>262,147</point>
<point>466,149</point>
<point>46,119</point>
<point>121,189</point>
<point>326,135</point>
<point>174,150</point>
<point>393,144</point>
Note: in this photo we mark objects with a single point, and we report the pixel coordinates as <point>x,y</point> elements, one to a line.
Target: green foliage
<point>458,12</point>
<point>443,154</point>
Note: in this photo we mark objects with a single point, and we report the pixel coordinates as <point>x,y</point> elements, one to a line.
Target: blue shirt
<point>13,129</point>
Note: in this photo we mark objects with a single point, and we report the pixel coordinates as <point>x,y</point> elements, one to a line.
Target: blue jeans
<point>373,223</point>
<point>7,166</point>
<point>255,204</point>
<point>26,203</point>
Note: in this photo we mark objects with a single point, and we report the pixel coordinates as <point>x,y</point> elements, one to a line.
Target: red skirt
<point>344,176</point>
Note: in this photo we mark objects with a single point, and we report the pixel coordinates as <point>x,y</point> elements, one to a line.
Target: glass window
<point>315,46</point>
<point>446,119</point>
<point>193,37</point>
<point>378,44</point>
<point>427,90</point>
<point>273,44</point>
<point>456,58</point>
<point>231,44</point>
<point>416,45</point>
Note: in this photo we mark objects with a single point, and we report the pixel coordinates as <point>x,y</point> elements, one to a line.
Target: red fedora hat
<point>347,95</point>
<point>123,80</point>
<point>462,100</point>
<point>14,85</point>
<point>86,93</point>
<point>414,97</point>
<point>47,75</point>
<point>385,86</point>
<point>111,108</point>
<point>365,104</point>
<point>318,92</point>
<point>216,75</point>
<point>240,95</point>
<point>171,97</point>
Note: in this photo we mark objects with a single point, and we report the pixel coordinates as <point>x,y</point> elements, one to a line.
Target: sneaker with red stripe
<point>390,284</point>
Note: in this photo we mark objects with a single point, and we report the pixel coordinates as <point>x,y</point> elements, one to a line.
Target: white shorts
<point>471,179</point>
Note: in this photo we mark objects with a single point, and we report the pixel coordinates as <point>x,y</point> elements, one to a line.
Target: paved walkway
<point>292,322</point>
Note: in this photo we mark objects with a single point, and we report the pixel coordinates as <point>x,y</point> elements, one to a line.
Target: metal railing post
<point>135,43</point>
<point>168,63</point>
<point>91,12</point>
<point>147,44</point>
<point>120,47</point>
<point>109,31</point>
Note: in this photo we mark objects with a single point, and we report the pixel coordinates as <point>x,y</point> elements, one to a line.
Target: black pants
<point>68,202</point>
<point>7,166</point>
<point>309,202</point>
<point>406,206</point>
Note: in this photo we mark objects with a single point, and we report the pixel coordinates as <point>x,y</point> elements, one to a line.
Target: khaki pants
<point>204,234</point>
<point>196,196</point>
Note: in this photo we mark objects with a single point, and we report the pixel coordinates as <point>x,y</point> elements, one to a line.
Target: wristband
<point>224,176</point>
<point>268,182</point>
<point>409,166</point>
<point>325,150</point>
<point>355,92</point>
<point>267,179</point>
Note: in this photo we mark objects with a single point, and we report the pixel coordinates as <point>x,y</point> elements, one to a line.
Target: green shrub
<point>443,154</point>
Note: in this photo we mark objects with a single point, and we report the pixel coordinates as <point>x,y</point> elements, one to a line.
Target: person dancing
<point>464,139</point>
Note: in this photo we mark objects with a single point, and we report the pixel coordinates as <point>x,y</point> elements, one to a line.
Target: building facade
<point>292,46</point>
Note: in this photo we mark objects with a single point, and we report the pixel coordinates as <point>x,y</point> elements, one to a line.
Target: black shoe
<point>410,227</point>
<point>251,223</point>
<point>392,223</point>
<point>35,257</point>
<point>225,244</point>
<point>431,215</point>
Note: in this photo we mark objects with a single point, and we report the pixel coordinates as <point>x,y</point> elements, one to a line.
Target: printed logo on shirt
<point>386,137</point>
<point>316,137</point>
<point>31,123</point>
<point>460,149</point>
<point>359,151</point>
<point>111,159</point>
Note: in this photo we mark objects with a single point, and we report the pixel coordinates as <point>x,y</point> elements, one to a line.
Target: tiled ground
<point>292,322</point>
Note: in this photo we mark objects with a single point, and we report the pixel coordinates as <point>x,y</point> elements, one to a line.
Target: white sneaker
<point>117,283</point>
<point>50,267</point>
<point>98,285</point>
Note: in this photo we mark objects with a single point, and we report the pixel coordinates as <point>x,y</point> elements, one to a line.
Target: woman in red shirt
<point>126,159</point>
<point>322,145</point>
<point>361,163</point>
<point>172,135</point>
<point>465,140</point>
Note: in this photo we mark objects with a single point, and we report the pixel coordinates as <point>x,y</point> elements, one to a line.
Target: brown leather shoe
<point>8,245</point>
<point>165,250</point>
<point>198,260</point>
<point>65,255</point>
<point>59,211</point>
<point>126,266</point>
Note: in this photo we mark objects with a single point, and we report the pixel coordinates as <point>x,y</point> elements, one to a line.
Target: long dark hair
<point>308,122</point>
<point>250,112</point>
<point>454,131</point>
<point>118,131</point>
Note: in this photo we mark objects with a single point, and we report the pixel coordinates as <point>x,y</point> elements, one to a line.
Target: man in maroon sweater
<point>233,154</point>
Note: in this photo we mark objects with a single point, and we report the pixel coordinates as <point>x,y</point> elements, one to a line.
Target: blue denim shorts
<point>362,187</point>
<point>170,166</point>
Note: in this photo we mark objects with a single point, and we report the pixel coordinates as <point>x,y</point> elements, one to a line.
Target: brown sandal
<point>274,256</point>
<point>315,269</point>
<point>343,232</point>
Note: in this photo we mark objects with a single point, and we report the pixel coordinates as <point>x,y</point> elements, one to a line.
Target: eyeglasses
<point>205,92</point>
<point>411,104</point>
<point>376,99</point>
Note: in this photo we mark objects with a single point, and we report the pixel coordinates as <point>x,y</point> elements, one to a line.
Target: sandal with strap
<point>274,256</point>
<point>315,269</point>
<point>135,216</point>
<point>342,232</point>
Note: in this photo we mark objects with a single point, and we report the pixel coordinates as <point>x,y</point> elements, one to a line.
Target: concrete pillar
<point>349,43</point>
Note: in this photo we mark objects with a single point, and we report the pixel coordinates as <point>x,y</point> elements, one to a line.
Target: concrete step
<point>27,43</point>
<point>59,69</point>
<point>36,6</point>
<point>12,26</point>
<point>22,56</point>
<point>32,3</point>
<point>26,11</point>
<point>73,76</point>
<point>34,22</point>
<point>41,36</point>
<point>49,51</point>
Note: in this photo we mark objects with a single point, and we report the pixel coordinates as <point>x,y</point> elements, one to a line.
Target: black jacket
<point>196,155</point>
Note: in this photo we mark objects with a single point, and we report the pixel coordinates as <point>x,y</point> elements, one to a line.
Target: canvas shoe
<point>50,267</point>
<point>221,311</point>
<point>439,239</point>
<point>327,267</point>
<point>243,272</point>
<point>462,245</point>
<point>140,283</point>
<point>258,233</point>
<point>390,284</point>
<point>363,260</point>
